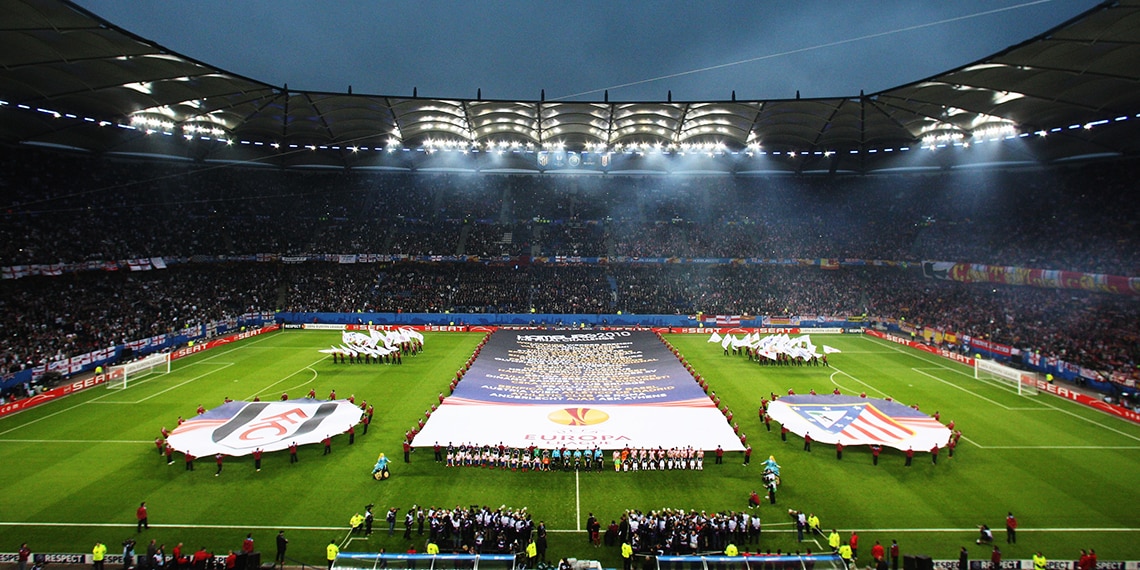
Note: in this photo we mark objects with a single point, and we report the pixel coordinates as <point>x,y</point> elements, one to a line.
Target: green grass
<point>86,461</point>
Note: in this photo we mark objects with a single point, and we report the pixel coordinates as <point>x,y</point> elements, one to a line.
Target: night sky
<point>639,51</point>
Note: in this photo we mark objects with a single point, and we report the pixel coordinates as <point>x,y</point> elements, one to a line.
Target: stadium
<point>586,324</point>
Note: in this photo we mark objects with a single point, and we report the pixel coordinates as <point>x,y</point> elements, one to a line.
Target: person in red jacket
<point>257,459</point>
<point>909,455</point>
<point>878,552</point>
<point>807,441</point>
<point>247,544</point>
<point>141,516</point>
<point>200,557</point>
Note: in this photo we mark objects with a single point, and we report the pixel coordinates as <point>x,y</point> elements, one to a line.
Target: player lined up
<point>530,458</point>
<point>660,459</point>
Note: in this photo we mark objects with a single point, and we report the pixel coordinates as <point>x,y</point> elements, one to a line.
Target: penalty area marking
<point>870,387</point>
<point>917,354</point>
<point>96,398</point>
<point>996,385</point>
<point>224,365</point>
<point>972,393</point>
<point>308,367</point>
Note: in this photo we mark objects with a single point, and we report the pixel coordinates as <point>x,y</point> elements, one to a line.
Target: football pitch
<point>76,469</point>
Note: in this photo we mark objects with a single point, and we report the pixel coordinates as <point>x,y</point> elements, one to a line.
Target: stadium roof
<point>71,79</point>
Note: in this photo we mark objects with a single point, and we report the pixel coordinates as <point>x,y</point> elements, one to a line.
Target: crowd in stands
<point>44,318</point>
<point>71,208</point>
<point>68,208</point>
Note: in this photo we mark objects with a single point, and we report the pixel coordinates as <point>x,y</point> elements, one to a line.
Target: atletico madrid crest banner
<point>238,428</point>
<point>854,420</point>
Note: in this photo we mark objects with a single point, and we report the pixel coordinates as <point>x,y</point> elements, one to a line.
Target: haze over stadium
<point>565,200</point>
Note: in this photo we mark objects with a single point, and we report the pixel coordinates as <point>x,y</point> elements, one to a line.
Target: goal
<point>119,376</point>
<point>1024,382</point>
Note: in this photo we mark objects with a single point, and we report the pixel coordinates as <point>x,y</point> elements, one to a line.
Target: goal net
<point>119,376</point>
<point>1024,382</point>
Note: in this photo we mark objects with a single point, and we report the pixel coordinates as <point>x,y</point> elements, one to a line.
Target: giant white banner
<point>579,389</point>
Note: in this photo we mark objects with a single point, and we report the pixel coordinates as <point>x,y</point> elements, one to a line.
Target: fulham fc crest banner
<point>238,428</point>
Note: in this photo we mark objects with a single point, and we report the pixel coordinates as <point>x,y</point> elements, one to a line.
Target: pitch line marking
<point>341,527</point>
<point>998,385</point>
<point>917,354</point>
<point>1092,447</point>
<point>179,385</point>
<point>872,388</point>
<point>348,538</point>
<point>577,502</point>
<point>153,378</point>
<point>306,382</point>
<point>82,441</point>
<point>966,390</point>
<point>308,367</point>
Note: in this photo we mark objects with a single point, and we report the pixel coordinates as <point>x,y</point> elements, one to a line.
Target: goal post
<point>1024,382</point>
<point>119,376</point>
